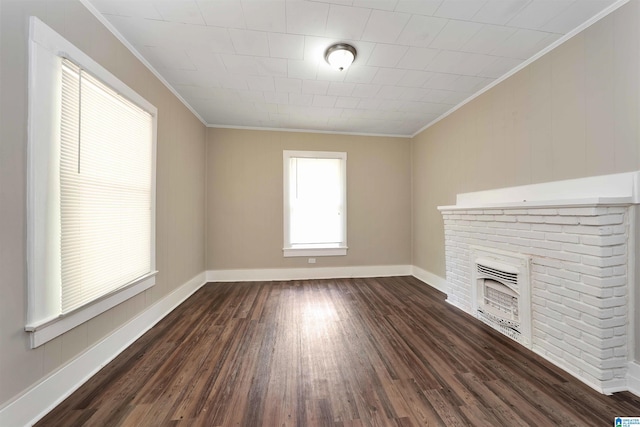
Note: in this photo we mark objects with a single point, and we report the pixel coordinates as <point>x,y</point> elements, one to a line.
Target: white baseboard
<point>614,386</point>
<point>429,278</point>
<point>37,401</point>
<point>606,387</point>
<point>269,274</point>
<point>633,378</point>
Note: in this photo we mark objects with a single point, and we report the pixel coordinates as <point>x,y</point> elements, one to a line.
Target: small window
<point>315,203</point>
<point>91,225</point>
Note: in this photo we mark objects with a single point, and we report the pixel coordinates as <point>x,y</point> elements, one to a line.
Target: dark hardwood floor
<point>345,352</point>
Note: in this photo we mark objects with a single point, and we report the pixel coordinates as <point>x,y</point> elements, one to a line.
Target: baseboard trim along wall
<point>269,274</point>
<point>37,401</point>
<point>429,278</point>
<point>633,378</point>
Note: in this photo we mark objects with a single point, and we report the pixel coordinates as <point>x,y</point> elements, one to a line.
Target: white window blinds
<point>105,189</point>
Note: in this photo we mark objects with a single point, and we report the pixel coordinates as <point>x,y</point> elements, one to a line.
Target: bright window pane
<point>315,202</point>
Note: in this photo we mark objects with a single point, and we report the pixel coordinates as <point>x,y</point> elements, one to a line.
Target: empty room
<point>319,212</point>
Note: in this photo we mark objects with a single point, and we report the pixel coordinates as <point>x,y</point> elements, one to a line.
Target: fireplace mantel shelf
<point>606,190</point>
<point>546,204</point>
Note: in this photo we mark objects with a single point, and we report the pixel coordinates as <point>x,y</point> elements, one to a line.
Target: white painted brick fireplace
<point>578,237</point>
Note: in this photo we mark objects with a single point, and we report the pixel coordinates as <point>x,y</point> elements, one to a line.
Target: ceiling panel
<point>390,92</point>
<point>499,12</point>
<point>324,101</point>
<point>221,13</point>
<point>446,61</point>
<point>346,22</point>
<point>386,55</point>
<point>442,81</point>
<point>276,67</point>
<point>290,46</point>
<point>418,7</point>
<point>340,88</point>
<point>260,63</point>
<point>376,4</point>
<point>421,30</point>
<point>459,9</point>
<point>315,87</point>
<point>260,83</point>
<point>239,65</point>
<point>417,58</point>
<point>539,12</point>
<point>306,17</point>
<point>488,38</point>
<point>388,76</point>
<point>384,26</point>
<point>301,99</point>
<point>414,78</point>
<point>206,61</point>
<point>287,85</point>
<point>347,102</point>
<point>183,11</point>
<point>455,34</point>
<point>267,16</point>
<point>249,42</point>
<point>168,58</point>
<point>302,69</point>
<point>144,9</point>
<point>360,74</point>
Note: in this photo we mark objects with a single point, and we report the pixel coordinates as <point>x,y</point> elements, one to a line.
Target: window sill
<point>304,252</point>
<point>48,329</point>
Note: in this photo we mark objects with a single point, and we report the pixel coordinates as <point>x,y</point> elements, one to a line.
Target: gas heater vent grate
<point>501,276</point>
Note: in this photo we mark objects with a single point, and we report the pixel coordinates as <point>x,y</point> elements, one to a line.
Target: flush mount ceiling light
<point>340,55</point>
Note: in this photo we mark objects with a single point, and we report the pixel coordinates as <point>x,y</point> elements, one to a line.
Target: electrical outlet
<point>312,260</point>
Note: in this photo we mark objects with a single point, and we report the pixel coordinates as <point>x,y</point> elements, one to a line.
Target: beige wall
<point>180,188</point>
<point>244,198</point>
<point>572,113</point>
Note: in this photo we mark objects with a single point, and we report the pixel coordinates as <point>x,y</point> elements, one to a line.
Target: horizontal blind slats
<point>105,178</point>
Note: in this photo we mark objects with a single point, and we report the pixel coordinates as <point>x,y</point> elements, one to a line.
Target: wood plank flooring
<point>345,352</point>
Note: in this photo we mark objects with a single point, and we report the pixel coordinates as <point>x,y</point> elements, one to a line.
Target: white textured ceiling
<point>259,63</point>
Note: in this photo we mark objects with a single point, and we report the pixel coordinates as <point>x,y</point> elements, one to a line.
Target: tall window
<point>315,214</point>
<point>91,188</point>
<point>105,189</point>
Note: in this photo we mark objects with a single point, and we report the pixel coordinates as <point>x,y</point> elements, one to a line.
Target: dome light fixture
<point>340,55</point>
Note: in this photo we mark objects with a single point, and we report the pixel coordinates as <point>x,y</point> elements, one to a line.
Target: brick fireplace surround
<point>580,238</point>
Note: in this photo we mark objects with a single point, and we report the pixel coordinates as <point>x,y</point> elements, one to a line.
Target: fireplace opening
<point>501,300</point>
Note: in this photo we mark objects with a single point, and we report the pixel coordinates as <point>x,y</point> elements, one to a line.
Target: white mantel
<point>579,235</point>
<point>617,189</point>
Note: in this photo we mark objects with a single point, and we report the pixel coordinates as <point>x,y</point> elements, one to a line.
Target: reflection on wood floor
<point>343,352</point>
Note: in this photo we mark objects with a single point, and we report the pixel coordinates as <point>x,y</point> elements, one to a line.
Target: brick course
<point>579,288</point>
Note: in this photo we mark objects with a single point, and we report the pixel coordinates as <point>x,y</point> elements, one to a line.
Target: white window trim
<point>312,250</point>
<point>48,329</point>
<point>43,323</point>
<point>302,252</point>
